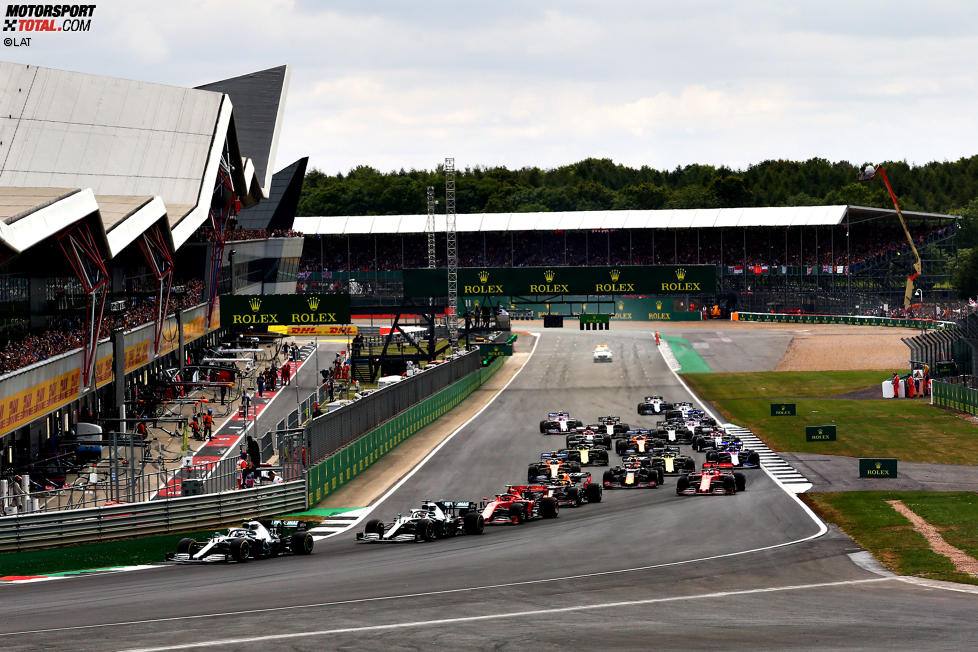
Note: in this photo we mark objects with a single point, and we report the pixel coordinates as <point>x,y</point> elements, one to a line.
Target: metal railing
<point>54,529</point>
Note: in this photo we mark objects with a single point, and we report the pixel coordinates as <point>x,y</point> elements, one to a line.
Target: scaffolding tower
<point>451,314</point>
<point>430,227</point>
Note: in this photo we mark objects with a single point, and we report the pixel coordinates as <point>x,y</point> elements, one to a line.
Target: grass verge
<point>912,431</point>
<point>866,517</point>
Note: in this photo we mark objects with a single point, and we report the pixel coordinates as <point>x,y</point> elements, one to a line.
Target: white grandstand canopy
<point>132,153</point>
<point>697,218</point>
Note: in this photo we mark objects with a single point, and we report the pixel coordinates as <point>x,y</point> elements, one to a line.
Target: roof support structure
<point>78,245</point>
<point>157,254</point>
<point>451,315</point>
<point>224,206</point>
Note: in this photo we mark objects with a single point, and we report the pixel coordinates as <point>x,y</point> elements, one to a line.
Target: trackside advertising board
<point>782,409</point>
<point>877,467</point>
<point>819,433</point>
<point>495,350</point>
<point>523,281</point>
<point>238,310</point>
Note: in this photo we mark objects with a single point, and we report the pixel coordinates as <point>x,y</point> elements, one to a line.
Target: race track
<point>644,569</point>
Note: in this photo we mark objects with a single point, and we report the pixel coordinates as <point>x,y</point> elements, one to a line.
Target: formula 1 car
<point>637,441</point>
<point>518,505</point>
<point>671,462</point>
<point>632,474</point>
<point>559,423</point>
<point>675,431</point>
<point>734,453</point>
<point>602,353</point>
<point>551,465</point>
<point>610,425</point>
<point>252,540</point>
<point>713,479</point>
<point>653,405</point>
<point>572,490</point>
<point>587,455</point>
<point>587,437</point>
<point>435,519</point>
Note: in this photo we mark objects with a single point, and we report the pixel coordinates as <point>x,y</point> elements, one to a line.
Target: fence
<point>346,463</point>
<point>332,431</point>
<point>956,394</point>
<point>54,529</point>
<point>857,320</point>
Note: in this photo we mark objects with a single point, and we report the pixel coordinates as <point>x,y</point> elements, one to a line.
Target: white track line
<point>367,510</point>
<point>509,614</point>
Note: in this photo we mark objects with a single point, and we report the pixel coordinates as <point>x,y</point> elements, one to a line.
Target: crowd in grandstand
<point>236,235</point>
<point>751,247</point>
<point>68,333</point>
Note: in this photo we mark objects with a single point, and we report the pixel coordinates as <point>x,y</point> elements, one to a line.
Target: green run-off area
<point>908,429</point>
<point>875,525</point>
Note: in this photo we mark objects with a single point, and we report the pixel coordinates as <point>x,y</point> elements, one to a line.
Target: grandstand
<point>119,204</point>
<point>827,259</point>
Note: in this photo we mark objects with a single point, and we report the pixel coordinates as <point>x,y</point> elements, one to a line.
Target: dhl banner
<point>21,408</point>
<point>320,330</point>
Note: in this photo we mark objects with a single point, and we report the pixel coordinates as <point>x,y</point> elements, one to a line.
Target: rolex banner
<point>523,281</point>
<point>284,309</point>
<point>621,309</point>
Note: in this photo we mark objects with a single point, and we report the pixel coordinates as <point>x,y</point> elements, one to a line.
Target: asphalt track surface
<point>644,569</point>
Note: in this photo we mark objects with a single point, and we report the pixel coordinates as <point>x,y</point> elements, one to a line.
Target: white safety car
<point>602,353</point>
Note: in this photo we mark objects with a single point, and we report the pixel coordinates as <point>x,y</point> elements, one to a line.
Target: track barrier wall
<point>346,463</point>
<point>852,320</point>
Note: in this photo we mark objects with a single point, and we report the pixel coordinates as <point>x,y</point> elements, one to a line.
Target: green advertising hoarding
<point>820,433</point>
<point>525,281</point>
<point>594,319</point>
<point>625,308</point>
<point>782,409</point>
<point>877,467</point>
<point>265,310</point>
<point>495,350</point>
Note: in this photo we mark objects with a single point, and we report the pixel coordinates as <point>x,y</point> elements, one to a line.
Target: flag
<point>738,269</point>
<point>839,269</point>
<point>808,270</point>
<point>757,269</point>
<point>972,303</point>
<point>827,269</point>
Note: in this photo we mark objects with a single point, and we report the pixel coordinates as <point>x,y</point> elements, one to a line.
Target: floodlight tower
<point>869,173</point>
<point>430,227</point>
<point>451,314</point>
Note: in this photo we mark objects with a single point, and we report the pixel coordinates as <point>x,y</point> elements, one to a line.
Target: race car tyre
<point>659,476</point>
<point>712,456</point>
<point>374,526</point>
<point>427,530</point>
<point>543,427</point>
<point>574,495</point>
<point>187,547</point>
<point>608,477</point>
<point>754,458</point>
<point>697,444</point>
<point>619,447</point>
<point>606,441</point>
<point>730,485</point>
<point>740,481</point>
<point>682,484</point>
<point>517,512</point>
<point>301,543</point>
<point>240,549</point>
<point>592,491</point>
<point>473,523</point>
<point>548,508</point>
<point>575,467</point>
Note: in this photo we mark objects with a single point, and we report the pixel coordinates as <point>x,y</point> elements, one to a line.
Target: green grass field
<point>875,525</point>
<point>910,430</point>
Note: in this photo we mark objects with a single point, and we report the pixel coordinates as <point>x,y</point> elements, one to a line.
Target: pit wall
<point>852,320</point>
<point>348,462</point>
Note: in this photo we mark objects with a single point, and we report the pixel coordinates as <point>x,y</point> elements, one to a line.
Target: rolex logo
<point>549,275</point>
<point>483,276</point>
<point>614,274</point>
<point>681,273</point>
<point>255,303</point>
<point>879,465</point>
<point>621,305</point>
<point>313,303</point>
<point>820,431</point>
<point>658,305</point>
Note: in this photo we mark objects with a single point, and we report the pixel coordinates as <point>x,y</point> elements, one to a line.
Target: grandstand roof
<point>699,218</point>
<point>73,145</point>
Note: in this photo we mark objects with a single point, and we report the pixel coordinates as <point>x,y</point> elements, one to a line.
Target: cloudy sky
<point>404,84</point>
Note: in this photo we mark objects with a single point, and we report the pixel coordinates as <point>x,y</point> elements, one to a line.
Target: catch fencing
<point>956,394</point>
<point>347,462</point>
<point>57,529</point>
<point>852,320</point>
